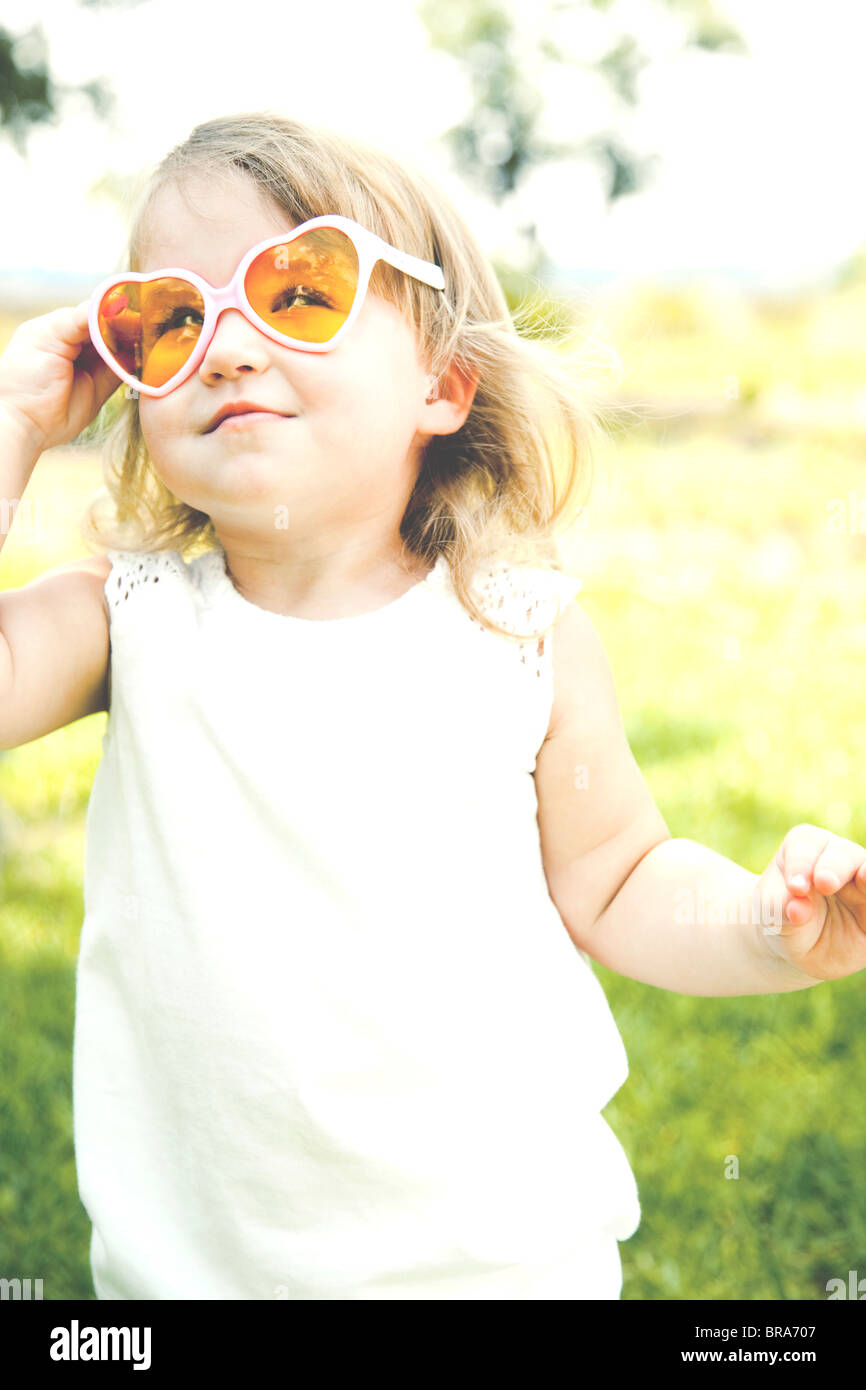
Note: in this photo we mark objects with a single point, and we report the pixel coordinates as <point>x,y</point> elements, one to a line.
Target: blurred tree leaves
<point>499,141</point>
<point>29,94</point>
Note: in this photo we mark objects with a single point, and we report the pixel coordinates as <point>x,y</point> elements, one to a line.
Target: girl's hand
<point>52,380</point>
<point>819,880</point>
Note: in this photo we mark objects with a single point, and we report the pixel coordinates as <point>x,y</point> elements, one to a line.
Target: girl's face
<point>351,424</point>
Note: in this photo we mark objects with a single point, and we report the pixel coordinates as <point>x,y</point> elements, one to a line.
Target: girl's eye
<point>181,317</point>
<point>299,296</point>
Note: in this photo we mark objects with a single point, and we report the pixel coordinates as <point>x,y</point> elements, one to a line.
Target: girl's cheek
<point>156,426</point>
<point>151,441</point>
<point>145,420</point>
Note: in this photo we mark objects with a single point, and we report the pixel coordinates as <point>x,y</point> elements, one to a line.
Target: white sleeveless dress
<point>332,1039</point>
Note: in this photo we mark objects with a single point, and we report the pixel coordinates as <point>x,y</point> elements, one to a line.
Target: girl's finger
<point>798,911</point>
<point>61,332</point>
<point>75,324</point>
<point>104,381</point>
<point>774,901</point>
<point>88,358</point>
<point>837,864</point>
<point>798,854</point>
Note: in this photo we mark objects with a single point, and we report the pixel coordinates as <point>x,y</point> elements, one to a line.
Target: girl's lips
<point>236,409</point>
<point>249,417</point>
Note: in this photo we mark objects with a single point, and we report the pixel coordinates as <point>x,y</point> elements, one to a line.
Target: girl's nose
<point>236,346</point>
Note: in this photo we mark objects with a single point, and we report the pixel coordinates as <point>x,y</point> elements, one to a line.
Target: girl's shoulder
<point>523,598</point>
<point>135,571</point>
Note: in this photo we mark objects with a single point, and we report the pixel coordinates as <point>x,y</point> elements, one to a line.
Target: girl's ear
<point>449,400</point>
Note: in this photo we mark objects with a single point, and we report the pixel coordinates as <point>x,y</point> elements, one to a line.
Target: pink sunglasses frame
<point>369,248</point>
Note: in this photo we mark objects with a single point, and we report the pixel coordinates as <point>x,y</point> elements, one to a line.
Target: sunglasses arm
<point>412,265</point>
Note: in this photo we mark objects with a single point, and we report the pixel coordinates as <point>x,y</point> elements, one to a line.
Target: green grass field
<point>733,609</point>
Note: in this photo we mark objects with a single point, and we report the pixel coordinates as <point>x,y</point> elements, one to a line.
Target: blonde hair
<point>518,471</point>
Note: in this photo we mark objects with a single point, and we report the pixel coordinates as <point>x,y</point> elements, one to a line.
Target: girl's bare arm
<point>54,632</point>
<point>669,912</point>
<point>54,651</point>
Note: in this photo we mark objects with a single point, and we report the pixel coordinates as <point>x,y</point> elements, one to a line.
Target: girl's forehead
<point>203,225</point>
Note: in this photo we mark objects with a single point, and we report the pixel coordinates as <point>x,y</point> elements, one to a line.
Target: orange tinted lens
<point>151,328</point>
<point>305,288</point>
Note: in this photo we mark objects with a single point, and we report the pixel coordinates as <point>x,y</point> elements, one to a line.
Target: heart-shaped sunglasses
<point>304,289</point>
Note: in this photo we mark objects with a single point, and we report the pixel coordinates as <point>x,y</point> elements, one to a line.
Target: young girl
<point>365,808</point>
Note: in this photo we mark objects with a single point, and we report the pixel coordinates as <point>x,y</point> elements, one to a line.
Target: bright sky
<point>759,156</point>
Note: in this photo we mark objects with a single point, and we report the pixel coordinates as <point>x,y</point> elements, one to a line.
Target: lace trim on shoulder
<point>130,569</point>
<point>209,570</point>
<point>524,599</point>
